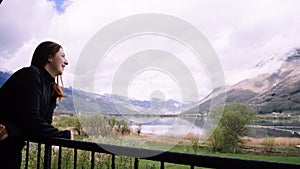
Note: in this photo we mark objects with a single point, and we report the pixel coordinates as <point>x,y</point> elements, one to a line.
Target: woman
<point>27,101</point>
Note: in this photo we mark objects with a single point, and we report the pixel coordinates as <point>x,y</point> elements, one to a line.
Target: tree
<point>232,126</point>
<point>217,140</point>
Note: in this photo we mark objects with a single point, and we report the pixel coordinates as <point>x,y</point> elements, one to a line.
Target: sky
<point>242,33</point>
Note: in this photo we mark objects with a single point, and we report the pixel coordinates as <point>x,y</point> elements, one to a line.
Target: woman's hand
<point>72,135</point>
<point>3,132</point>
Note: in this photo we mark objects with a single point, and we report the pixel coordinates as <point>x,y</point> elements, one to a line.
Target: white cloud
<point>20,22</point>
<point>242,32</point>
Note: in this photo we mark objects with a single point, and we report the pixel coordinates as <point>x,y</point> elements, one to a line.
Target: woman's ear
<point>49,59</point>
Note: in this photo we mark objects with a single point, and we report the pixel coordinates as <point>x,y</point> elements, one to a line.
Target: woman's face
<point>58,62</point>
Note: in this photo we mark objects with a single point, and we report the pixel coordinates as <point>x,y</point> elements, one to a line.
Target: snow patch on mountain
<point>272,63</point>
<point>275,60</point>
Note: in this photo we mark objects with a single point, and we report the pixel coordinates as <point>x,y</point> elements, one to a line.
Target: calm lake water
<point>170,126</point>
<point>276,128</point>
<point>177,126</point>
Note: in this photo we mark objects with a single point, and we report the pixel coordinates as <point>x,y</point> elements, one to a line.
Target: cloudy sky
<point>242,33</point>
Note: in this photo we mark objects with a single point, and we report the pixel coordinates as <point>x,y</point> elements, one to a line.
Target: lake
<point>275,128</point>
<point>178,126</point>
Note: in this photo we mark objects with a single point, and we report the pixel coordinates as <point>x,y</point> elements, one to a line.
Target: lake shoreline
<point>248,141</point>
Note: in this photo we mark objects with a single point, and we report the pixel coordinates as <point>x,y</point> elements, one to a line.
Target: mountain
<point>114,104</point>
<point>87,102</point>
<point>3,77</point>
<point>277,91</point>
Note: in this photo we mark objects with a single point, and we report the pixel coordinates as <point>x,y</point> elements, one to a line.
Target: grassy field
<point>285,145</point>
<point>145,164</point>
<point>263,157</point>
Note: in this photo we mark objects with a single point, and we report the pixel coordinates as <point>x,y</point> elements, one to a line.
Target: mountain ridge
<point>277,91</point>
<point>77,100</point>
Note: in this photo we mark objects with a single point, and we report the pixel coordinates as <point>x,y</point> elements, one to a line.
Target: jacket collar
<point>46,74</point>
<point>49,78</point>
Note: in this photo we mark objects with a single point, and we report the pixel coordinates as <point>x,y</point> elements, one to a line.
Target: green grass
<point>283,159</point>
<point>205,151</point>
<point>146,164</point>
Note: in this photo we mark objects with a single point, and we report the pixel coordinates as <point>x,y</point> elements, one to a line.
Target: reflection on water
<point>167,126</point>
<point>275,128</point>
<point>277,122</point>
<point>179,126</point>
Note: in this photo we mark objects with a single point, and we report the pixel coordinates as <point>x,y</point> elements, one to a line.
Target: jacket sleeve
<point>29,104</point>
<point>8,113</point>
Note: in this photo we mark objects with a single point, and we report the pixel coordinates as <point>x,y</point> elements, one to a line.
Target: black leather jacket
<point>27,105</point>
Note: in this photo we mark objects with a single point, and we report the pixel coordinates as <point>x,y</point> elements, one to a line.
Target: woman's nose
<point>66,62</point>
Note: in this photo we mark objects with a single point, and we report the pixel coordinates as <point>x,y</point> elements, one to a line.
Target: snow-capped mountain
<point>278,90</point>
<point>77,100</point>
<point>275,91</point>
<point>277,58</point>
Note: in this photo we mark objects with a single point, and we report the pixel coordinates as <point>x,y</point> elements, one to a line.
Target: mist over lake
<point>181,126</point>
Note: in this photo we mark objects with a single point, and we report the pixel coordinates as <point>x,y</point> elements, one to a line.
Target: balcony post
<point>47,156</point>
<point>136,163</point>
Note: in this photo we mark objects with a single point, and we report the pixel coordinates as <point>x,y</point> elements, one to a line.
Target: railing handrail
<point>167,156</point>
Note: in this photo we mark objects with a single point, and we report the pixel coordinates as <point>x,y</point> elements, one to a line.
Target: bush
<point>232,126</point>
<point>269,143</point>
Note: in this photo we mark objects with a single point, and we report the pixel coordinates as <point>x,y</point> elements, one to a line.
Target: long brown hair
<point>40,58</point>
<point>57,92</point>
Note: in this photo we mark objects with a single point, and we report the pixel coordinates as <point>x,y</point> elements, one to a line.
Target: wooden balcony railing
<point>44,157</point>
